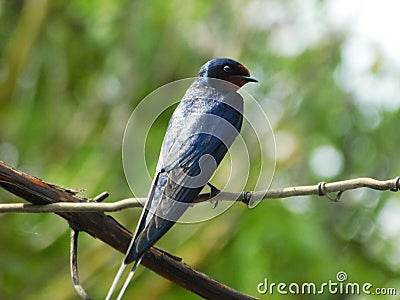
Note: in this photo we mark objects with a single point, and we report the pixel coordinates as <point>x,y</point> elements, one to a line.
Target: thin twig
<point>339,187</point>
<point>74,265</point>
<point>69,207</point>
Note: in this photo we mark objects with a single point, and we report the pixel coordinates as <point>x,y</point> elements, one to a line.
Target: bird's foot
<point>213,192</point>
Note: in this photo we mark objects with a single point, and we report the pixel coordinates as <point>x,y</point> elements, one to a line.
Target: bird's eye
<point>227,69</point>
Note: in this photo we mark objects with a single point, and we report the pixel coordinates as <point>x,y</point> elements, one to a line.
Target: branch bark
<point>108,230</point>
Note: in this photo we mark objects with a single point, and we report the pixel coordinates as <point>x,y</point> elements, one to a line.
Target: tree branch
<point>112,233</point>
<point>87,215</point>
<point>321,189</point>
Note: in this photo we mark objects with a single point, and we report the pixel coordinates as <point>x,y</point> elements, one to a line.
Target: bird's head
<point>227,69</point>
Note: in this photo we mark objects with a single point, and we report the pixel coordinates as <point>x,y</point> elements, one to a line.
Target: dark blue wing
<point>197,139</point>
<point>210,127</point>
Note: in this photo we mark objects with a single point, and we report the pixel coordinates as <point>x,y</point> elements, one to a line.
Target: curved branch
<point>339,186</point>
<point>74,266</point>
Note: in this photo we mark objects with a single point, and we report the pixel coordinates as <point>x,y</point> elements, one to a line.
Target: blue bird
<point>200,132</point>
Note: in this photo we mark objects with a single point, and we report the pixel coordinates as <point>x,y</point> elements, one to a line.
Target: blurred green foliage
<point>71,72</point>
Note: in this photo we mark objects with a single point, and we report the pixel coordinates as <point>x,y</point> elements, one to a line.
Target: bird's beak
<point>248,78</point>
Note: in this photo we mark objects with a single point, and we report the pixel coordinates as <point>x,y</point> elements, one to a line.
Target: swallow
<point>202,128</point>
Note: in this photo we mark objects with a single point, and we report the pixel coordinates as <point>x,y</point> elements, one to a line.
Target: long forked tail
<point>127,280</point>
<point>141,225</point>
